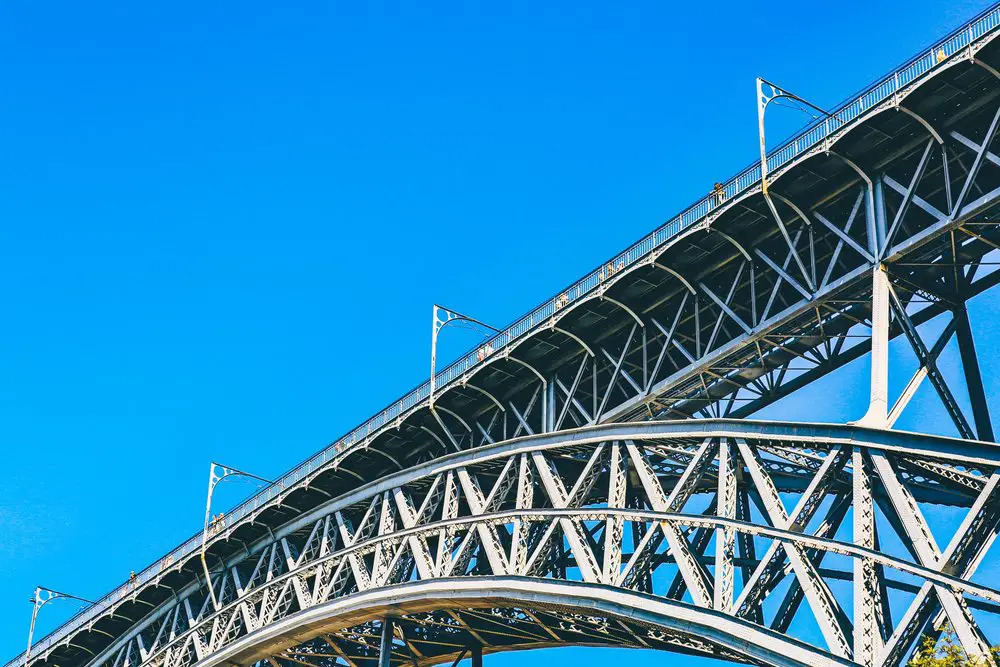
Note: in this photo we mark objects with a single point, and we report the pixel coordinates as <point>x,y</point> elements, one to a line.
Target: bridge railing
<point>856,105</point>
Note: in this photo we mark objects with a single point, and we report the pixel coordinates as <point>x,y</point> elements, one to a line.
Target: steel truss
<point>598,462</point>
<point>641,512</point>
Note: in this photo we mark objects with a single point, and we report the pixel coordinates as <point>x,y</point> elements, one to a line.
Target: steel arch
<point>554,509</point>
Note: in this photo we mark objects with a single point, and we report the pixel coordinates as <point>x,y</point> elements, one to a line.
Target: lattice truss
<point>786,300</point>
<point>531,479</point>
<point>765,530</point>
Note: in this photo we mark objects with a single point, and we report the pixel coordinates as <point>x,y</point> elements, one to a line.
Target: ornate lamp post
<point>216,473</point>
<point>42,597</point>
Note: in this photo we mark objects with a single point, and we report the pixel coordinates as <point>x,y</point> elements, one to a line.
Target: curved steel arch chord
<point>561,496</point>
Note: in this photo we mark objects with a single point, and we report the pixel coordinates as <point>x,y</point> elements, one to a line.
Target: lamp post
<point>41,597</point>
<point>216,473</point>
<point>442,317</point>
<point>768,92</point>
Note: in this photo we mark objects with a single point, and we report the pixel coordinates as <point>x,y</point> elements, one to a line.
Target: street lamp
<point>768,92</point>
<point>216,473</point>
<point>42,596</point>
<point>442,317</point>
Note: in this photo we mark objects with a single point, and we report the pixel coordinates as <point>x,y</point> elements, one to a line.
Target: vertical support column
<point>725,538</point>
<point>477,655</point>
<point>549,414</point>
<point>878,402</point>
<point>880,221</point>
<point>867,603</point>
<point>973,376</point>
<point>385,645</point>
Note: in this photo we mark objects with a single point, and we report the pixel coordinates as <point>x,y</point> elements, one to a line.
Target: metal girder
<point>555,507</point>
<point>450,500</point>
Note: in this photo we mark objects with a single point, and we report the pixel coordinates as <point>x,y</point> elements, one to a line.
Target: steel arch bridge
<point>589,475</point>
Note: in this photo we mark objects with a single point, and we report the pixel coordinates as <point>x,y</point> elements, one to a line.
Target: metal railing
<point>856,105</point>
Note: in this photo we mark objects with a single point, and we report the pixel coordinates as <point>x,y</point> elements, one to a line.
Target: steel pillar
<point>878,401</point>
<point>385,645</point>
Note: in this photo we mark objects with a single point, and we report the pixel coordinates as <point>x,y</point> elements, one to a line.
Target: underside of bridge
<point>594,479</point>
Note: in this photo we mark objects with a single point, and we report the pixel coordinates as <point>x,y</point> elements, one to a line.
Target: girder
<point>550,462</point>
<point>551,509</point>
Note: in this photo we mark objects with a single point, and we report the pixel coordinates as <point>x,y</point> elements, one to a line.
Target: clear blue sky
<point>224,224</point>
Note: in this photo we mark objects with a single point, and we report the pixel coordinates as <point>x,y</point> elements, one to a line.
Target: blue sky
<point>225,223</point>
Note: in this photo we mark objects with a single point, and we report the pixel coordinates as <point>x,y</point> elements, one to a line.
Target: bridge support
<point>878,401</point>
<point>385,646</point>
<point>477,655</point>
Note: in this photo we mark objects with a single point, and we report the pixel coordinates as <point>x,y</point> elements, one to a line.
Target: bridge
<point>591,475</point>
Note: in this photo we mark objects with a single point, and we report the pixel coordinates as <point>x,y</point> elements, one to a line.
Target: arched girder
<point>434,435</point>
<point>676,239</point>
<point>684,281</point>
<point>986,66</point>
<point>940,448</point>
<point>531,368</point>
<point>854,166</point>
<point>924,122</point>
<point>391,458</point>
<point>736,244</point>
<point>818,442</point>
<point>628,310</point>
<point>898,97</point>
<point>792,205</point>
<point>737,636</point>
<point>826,147</point>
<point>453,414</point>
<point>487,394</point>
<point>350,472</point>
<point>565,332</point>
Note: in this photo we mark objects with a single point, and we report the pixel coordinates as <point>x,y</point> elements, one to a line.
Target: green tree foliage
<point>946,652</point>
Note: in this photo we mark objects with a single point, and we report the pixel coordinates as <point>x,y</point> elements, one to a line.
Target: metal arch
<point>509,349</point>
<point>572,335</point>
<point>729,205</point>
<point>792,205</point>
<point>923,121</point>
<point>444,445</point>
<point>986,66</point>
<point>531,368</point>
<point>391,458</point>
<point>567,512</point>
<point>942,448</point>
<point>488,395</point>
<point>675,274</point>
<point>826,148</point>
<point>628,310</point>
<point>738,636</point>
<point>680,236</point>
<point>854,166</point>
<point>938,447</point>
<point>438,406</point>
<point>736,244</point>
